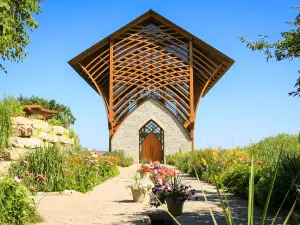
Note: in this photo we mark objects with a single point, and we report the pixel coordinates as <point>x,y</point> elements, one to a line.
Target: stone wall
<point>127,137</point>
<point>28,134</point>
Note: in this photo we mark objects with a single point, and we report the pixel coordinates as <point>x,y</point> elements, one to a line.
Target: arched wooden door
<point>151,148</point>
<point>151,142</point>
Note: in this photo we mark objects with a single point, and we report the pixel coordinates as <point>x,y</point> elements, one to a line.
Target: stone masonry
<point>127,137</point>
<point>28,134</point>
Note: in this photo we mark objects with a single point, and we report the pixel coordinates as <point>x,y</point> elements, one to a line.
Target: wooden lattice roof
<point>151,57</point>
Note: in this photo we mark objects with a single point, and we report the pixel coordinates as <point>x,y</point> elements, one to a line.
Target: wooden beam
<point>192,108</point>
<point>111,80</point>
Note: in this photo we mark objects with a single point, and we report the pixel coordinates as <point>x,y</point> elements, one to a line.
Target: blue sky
<point>249,103</point>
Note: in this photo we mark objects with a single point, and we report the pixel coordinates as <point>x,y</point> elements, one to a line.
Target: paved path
<point>111,203</point>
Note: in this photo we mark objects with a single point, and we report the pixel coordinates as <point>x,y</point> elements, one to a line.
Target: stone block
<point>4,166</point>
<point>22,130</point>
<point>16,153</point>
<point>58,130</point>
<point>21,121</point>
<point>64,139</point>
<point>19,142</point>
<point>53,138</point>
<point>44,136</point>
<point>41,125</point>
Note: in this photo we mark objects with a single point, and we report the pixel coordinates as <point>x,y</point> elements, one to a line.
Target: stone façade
<point>126,138</point>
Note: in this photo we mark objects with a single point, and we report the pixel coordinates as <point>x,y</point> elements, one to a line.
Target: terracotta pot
<point>138,195</point>
<point>175,207</point>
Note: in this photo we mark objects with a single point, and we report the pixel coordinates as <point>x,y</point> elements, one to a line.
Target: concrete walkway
<point>111,203</point>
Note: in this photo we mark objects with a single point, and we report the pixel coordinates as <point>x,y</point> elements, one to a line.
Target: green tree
<point>286,49</point>
<point>64,113</point>
<point>16,21</point>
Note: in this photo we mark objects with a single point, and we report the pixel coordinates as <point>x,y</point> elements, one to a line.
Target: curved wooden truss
<point>151,58</point>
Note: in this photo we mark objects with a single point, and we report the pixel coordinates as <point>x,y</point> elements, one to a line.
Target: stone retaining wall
<point>28,134</point>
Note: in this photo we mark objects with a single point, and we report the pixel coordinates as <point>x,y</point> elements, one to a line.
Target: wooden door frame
<point>159,133</point>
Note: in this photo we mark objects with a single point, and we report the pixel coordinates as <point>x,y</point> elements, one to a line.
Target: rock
<point>58,130</point>
<point>53,138</point>
<point>4,166</point>
<point>64,140</point>
<point>19,142</point>
<point>41,125</point>
<point>21,121</point>
<point>22,130</point>
<point>45,136</point>
<point>16,153</point>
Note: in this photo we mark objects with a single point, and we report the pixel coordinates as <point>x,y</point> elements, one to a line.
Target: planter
<point>175,207</point>
<point>144,175</point>
<point>138,195</point>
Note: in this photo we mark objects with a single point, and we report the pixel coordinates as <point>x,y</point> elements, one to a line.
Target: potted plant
<point>174,194</point>
<point>140,188</point>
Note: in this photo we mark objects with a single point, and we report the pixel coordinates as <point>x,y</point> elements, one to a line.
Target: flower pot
<point>175,206</point>
<point>138,195</point>
<point>144,175</point>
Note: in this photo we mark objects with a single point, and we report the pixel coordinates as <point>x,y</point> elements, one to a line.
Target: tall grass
<point>6,112</point>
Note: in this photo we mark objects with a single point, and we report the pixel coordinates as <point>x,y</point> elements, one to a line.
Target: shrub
<point>54,122</point>
<point>170,160</point>
<point>16,207</point>
<point>6,112</point>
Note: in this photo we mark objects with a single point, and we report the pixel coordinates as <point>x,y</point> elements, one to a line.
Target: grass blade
<point>291,211</point>
<point>251,194</point>
<point>271,188</point>
<point>277,213</point>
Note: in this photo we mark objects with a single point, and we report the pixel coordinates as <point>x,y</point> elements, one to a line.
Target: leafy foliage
<point>286,49</point>
<point>64,113</point>
<point>231,168</point>
<point>6,112</point>
<point>54,168</point>
<point>17,21</point>
<point>54,122</point>
<point>16,207</point>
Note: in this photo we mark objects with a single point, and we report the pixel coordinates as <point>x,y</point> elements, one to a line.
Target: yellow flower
<point>234,162</point>
<point>214,154</point>
<point>203,161</point>
<point>230,152</point>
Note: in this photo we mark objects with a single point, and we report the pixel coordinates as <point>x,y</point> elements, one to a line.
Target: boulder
<point>58,130</point>
<point>21,121</point>
<point>41,125</point>
<point>4,166</point>
<point>16,153</point>
<point>64,140</point>
<point>19,142</point>
<point>53,138</point>
<point>45,136</point>
<point>22,130</point>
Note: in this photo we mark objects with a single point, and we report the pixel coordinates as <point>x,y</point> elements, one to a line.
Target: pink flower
<point>97,174</point>
<point>18,179</point>
<point>25,162</point>
<point>42,177</point>
<point>27,173</point>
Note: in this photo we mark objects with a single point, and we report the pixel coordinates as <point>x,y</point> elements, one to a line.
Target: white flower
<point>17,179</point>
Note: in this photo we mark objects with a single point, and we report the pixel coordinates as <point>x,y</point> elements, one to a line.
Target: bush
<point>231,168</point>
<point>122,159</point>
<point>16,207</point>
<point>52,168</point>
<point>54,122</point>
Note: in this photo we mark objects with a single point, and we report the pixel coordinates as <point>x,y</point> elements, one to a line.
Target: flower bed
<point>231,168</point>
<point>54,169</point>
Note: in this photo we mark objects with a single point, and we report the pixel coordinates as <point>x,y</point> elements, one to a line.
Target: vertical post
<point>192,108</point>
<point>111,80</point>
